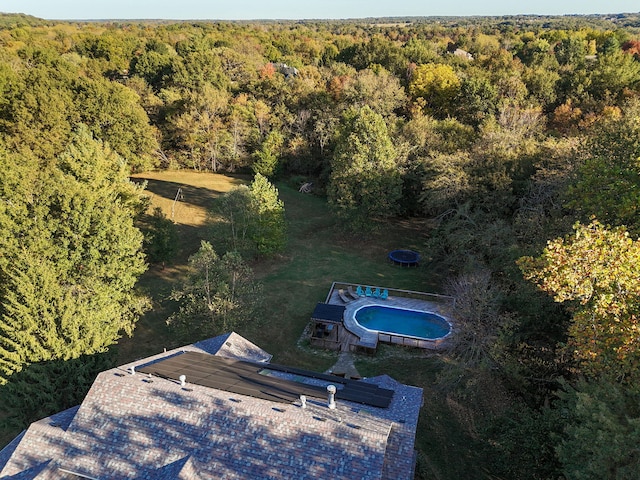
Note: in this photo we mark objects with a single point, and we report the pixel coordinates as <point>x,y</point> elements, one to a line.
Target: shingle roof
<point>232,345</point>
<point>142,427</point>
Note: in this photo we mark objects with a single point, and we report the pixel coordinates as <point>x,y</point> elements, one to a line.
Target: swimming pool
<point>403,322</point>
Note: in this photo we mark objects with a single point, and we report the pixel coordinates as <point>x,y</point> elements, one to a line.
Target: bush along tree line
<point>517,137</point>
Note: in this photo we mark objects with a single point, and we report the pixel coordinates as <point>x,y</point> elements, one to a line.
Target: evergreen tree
<point>601,431</point>
<point>268,229</point>
<point>44,388</point>
<point>160,238</point>
<point>266,158</point>
<point>253,218</point>
<point>70,255</point>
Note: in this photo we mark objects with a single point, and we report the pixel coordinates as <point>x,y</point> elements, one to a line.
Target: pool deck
<point>369,339</point>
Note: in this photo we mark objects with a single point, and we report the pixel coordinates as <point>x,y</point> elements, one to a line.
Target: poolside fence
<point>395,292</point>
<point>326,344</point>
<point>409,341</point>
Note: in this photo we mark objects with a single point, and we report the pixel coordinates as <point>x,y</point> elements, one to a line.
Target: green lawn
<point>318,253</point>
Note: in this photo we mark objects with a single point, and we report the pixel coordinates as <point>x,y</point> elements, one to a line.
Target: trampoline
<point>405,258</point>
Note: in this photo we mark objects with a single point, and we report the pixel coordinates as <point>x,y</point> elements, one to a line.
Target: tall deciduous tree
<point>70,255</point>
<point>218,295</point>
<point>614,73</point>
<point>365,178</point>
<point>476,308</point>
<point>608,183</point>
<point>113,113</point>
<point>234,212</point>
<point>596,270</point>
<point>437,84</point>
<point>201,129</point>
<point>376,88</point>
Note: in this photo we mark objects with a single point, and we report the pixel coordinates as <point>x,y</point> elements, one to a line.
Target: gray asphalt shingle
<point>144,427</point>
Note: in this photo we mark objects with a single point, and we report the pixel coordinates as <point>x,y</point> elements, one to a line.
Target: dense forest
<point>516,138</point>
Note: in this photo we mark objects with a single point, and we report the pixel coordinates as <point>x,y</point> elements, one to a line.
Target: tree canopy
<point>489,136</point>
<point>365,179</point>
<point>252,218</point>
<point>597,270</point>
<point>70,254</point>
<point>437,84</point>
<point>218,295</point>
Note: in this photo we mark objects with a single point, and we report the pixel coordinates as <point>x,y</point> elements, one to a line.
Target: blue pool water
<point>398,321</point>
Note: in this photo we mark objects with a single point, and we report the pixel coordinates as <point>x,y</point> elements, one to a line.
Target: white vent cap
<point>332,396</point>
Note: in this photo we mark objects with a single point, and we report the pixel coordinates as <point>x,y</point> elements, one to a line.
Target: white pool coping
<point>369,338</point>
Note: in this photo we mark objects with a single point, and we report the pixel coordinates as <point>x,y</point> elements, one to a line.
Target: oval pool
<point>399,321</point>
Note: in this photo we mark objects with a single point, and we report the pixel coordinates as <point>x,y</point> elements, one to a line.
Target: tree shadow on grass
<point>193,195</point>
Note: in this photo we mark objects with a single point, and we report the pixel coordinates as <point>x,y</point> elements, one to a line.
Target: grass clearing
<point>318,253</point>
<point>189,213</point>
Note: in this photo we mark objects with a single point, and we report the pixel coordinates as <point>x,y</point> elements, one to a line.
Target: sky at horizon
<point>301,9</point>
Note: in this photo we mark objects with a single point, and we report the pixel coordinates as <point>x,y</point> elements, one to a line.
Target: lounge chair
<point>351,292</point>
<point>359,291</point>
<point>368,292</point>
<point>384,294</point>
<point>306,188</point>
<point>376,293</point>
<point>343,296</point>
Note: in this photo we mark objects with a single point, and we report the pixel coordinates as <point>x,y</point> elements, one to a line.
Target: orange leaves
<point>267,71</point>
<point>599,269</point>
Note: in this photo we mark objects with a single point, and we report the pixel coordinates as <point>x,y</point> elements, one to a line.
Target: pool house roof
<point>326,312</point>
<point>242,419</point>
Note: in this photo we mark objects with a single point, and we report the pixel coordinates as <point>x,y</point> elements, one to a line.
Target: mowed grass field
<point>318,253</point>
<point>185,197</point>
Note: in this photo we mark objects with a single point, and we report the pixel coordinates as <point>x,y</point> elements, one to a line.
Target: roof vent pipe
<point>183,380</point>
<point>132,369</point>
<point>332,396</point>
<point>303,401</point>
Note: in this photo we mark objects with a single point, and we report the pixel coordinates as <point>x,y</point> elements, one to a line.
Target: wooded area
<point>516,139</point>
